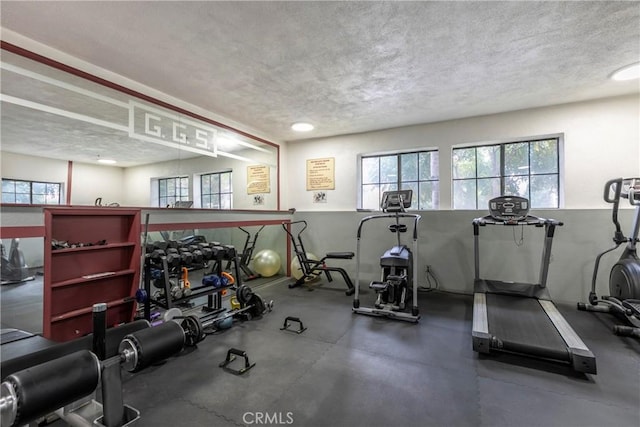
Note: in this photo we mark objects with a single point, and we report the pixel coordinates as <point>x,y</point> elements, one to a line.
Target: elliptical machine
<point>398,287</point>
<point>247,255</point>
<point>14,267</point>
<point>624,279</point>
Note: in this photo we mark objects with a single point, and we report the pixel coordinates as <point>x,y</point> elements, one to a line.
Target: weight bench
<point>21,350</point>
<point>312,268</point>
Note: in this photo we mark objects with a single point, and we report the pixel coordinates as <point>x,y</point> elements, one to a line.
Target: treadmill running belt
<point>523,326</point>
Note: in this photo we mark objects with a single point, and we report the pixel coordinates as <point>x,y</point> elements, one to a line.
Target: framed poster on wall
<point>258,179</point>
<point>321,174</point>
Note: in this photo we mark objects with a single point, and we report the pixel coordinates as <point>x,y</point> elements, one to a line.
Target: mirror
<point>21,301</point>
<point>58,115</point>
<point>261,252</point>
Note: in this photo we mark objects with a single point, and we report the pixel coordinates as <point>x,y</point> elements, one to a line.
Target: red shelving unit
<point>105,269</point>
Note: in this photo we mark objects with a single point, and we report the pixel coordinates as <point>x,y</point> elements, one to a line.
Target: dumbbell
<point>198,256</point>
<point>160,245</point>
<point>176,290</point>
<point>207,253</point>
<point>156,255</point>
<point>186,257</point>
<point>173,257</point>
<point>229,252</point>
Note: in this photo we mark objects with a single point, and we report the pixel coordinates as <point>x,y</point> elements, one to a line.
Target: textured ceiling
<point>46,111</point>
<point>348,66</point>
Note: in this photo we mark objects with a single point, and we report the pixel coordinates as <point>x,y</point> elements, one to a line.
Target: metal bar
<point>566,331</point>
<point>549,228</point>
<point>635,229</point>
<point>476,250</point>
<point>480,319</point>
<point>415,260</point>
<point>357,284</point>
<point>112,403</point>
<point>397,315</point>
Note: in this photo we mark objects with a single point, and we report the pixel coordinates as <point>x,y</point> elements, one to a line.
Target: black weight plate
<point>258,307</point>
<point>192,330</point>
<point>187,325</point>
<point>201,334</point>
<point>244,294</point>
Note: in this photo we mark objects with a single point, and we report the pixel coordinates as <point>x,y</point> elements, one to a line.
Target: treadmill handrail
<point>529,220</point>
<point>549,229</point>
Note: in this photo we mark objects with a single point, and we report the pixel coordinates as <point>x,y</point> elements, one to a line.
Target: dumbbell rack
<point>214,297</point>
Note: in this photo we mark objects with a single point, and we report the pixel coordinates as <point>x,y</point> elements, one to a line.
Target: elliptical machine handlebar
<point>617,190</point>
<point>394,215</point>
<point>284,225</point>
<point>618,236</point>
<point>249,233</point>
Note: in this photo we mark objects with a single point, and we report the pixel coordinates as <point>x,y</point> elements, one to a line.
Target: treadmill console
<point>396,201</point>
<point>509,208</point>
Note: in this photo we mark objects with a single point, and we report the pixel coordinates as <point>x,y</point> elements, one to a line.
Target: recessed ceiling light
<point>628,72</point>
<point>107,161</point>
<point>302,127</point>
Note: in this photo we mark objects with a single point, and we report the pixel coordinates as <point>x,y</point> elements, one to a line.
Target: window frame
<point>559,138</point>
<point>219,193</point>
<point>399,180</point>
<point>177,197</point>
<point>31,194</point>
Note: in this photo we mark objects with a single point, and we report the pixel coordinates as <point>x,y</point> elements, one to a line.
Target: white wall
<point>446,244</point>
<point>32,168</point>
<point>601,141</point>
<point>92,181</point>
<point>88,181</point>
<point>132,186</point>
<point>137,180</point>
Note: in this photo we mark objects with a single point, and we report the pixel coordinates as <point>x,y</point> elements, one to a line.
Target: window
<point>31,192</point>
<point>172,190</point>
<point>417,171</point>
<point>528,169</point>
<point>216,191</point>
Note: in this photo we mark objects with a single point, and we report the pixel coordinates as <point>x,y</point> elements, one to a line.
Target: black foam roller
<point>44,388</point>
<point>115,335</point>
<point>157,344</point>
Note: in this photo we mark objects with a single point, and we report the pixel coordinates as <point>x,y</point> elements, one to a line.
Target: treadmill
<point>520,317</point>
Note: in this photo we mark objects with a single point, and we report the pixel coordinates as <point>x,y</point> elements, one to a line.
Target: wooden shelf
<point>92,248</point>
<point>87,310</point>
<point>77,278</point>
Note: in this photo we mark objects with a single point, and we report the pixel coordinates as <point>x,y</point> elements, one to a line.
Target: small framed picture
<point>258,199</point>
<point>319,197</point>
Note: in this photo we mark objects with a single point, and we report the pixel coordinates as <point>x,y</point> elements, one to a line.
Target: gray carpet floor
<point>353,370</point>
